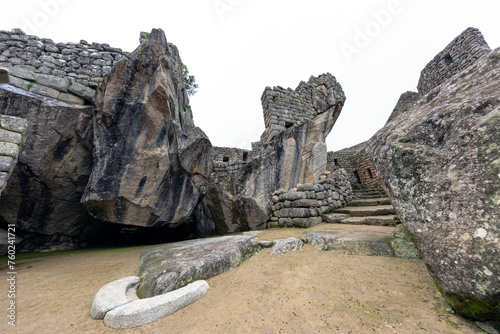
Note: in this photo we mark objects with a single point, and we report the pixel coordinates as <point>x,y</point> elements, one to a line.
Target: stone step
<point>354,240</point>
<point>388,220</point>
<point>374,195</point>
<point>364,211</point>
<point>371,201</point>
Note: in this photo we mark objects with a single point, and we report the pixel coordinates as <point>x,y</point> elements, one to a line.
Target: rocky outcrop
<point>43,193</point>
<point>293,152</point>
<point>151,163</point>
<point>440,163</point>
<point>172,266</point>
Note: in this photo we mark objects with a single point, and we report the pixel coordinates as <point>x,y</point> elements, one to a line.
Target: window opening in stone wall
<point>245,156</point>
<point>225,159</point>
<point>370,173</point>
<point>357,179</point>
<point>288,124</point>
<point>447,59</point>
<point>336,162</point>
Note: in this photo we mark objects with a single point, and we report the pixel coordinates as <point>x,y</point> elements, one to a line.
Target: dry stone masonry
<point>360,169</point>
<point>304,205</point>
<point>228,161</point>
<point>461,53</point>
<point>12,136</point>
<point>66,71</point>
<point>284,108</point>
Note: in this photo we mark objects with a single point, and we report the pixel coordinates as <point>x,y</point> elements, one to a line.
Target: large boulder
<point>296,155</point>
<point>151,163</point>
<point>440,163</point>
<point>175,265</point>
<point>43,193</point>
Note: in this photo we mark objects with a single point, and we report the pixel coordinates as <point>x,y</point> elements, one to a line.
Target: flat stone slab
<point>175,265</point>
<point>283,246</point>
<point>387,220</point>
<point>378,210</point>
<point>343,241</point>
<point>113,295</point>
<point>334,218</point>
<point>148,310</point>
<point>371,202</point>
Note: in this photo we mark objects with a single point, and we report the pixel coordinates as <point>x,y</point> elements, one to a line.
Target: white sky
<point>236,48</point>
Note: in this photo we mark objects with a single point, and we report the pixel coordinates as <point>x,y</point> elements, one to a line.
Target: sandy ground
<point>306,291</point>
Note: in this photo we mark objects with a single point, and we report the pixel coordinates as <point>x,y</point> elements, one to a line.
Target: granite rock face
<point>151,163</point>
<point>44,190</point>
<point>175,265</point>
<point>440,163</point>
<point>292,153</point>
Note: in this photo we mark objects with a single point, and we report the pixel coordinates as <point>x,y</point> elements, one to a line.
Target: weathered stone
<point>353,242</point>
<point>285,158</point>
<point>113,295</point>
<point>334,218</point>
<point>70,98</point>
<point>151,164</point>
<point>6,164</point>
<point>148,310</point>
<point>307,222</point>
<point>60,84</point>
<point>283,246</point>
<point>45,91</point>
<point>82,91</point>
<point>171,267</point>
<point>9,150</point>
<point>43,193</point>
<point>440,163</point>
<point>15,124</point>
<point>10,137</point>
<point>266,243</point>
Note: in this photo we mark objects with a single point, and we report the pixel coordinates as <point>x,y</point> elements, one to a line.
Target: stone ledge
<point>148,310</point>
<point>113,295</point>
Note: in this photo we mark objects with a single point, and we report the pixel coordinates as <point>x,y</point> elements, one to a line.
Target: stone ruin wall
<point>12,135</point>
<point>284,108</point>
<point>462,52</point>
<point>66,71</point>
<point>228,161</point>
<point>359,168</point>
<point>304,205</point>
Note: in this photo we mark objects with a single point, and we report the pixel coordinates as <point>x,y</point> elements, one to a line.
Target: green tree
<point>189,81</point>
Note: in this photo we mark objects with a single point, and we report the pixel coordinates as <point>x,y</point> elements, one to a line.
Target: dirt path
<point>306,291</point>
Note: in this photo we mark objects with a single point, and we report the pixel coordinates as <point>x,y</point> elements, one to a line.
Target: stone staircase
<point>370,207</point>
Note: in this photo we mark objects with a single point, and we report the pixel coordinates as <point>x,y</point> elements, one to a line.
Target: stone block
<point>10,137</point>
<point>60,84</point>
<point>45,91</point>
<point>21,73</point>
<point>113,295</point>
<point>15,124</point>
<point>148,310</point>
<point>305,203</point>
<point>9,150</point>
<point>307,222</point>
<point>19,83</point>
<point>82,91</point>
<point>6,164</point>
<point>70,98</point>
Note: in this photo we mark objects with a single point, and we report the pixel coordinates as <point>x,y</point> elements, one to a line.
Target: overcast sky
<point>235,48</point>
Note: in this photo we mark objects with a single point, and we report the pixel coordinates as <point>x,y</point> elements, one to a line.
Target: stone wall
<point>228,161</point>
<point>285,108</point>
<point>405,102</point>
<point>359,168</point>
<point>304,205</point>
<point>12,137</point>
<point>66,71</point>
<point>462,52</point>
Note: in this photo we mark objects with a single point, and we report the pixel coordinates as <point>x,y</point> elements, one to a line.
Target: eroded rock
<point>440,164</point>
<point>172,266</point>
<point>151,163</point>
